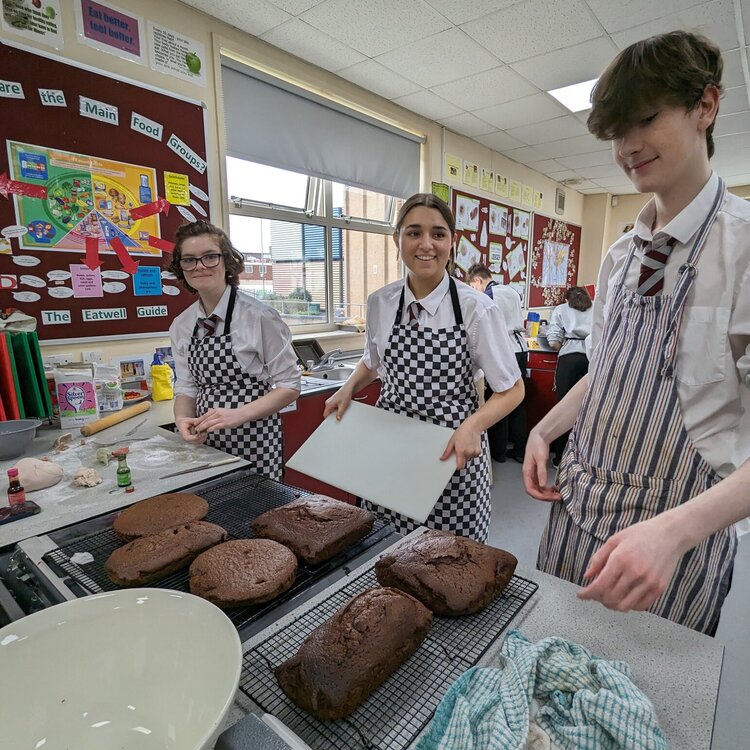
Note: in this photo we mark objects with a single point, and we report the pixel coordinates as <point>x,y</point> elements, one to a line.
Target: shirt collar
<point>432,301</point>
<point>687,222</point>
<point>220,311</point>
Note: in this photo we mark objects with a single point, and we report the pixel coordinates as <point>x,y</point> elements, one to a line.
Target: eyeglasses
<point>210,260</point>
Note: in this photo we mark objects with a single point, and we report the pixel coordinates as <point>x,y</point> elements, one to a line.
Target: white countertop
<point>677,668</point>
<point>161,453</point>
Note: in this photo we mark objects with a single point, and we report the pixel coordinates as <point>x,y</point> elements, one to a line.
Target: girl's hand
<point>186,428</point>
<point>338,403</point>
<point>466,442</point>
<point>220,419</point>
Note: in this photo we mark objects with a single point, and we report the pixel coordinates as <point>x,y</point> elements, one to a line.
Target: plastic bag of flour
<point>108,387</point>
<point>76,394</point>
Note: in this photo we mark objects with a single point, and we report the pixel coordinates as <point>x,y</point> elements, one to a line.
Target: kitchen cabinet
<point>540,396</point>
<point>299,424</point>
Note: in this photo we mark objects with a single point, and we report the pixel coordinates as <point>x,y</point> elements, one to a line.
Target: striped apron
<point>629,456</point>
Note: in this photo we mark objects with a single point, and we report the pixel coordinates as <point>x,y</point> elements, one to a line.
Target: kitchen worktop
<point>161,453</point>
<point>678,668</point>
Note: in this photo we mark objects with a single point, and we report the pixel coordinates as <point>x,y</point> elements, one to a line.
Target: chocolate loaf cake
<point>150,558</point>
<point>347,657</point>
<point>243,572</point>
<point>452,575</point>
<point>155,514</point>
<point>316,527</point>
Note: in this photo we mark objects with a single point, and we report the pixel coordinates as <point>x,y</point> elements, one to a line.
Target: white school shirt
<point>568,323</point>
<point>489,346</point>
<point>712,368</point>
<point>509,302</point>
<point>261,342</point>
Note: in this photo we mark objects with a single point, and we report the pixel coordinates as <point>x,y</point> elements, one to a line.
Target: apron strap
<point>454,301</point>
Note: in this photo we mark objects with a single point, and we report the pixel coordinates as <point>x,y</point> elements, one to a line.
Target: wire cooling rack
<point>394,715</point>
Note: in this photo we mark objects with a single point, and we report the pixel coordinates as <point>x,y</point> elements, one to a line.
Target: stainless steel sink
<point>332,373</point>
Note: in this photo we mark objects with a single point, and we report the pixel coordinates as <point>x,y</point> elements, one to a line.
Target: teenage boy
<point>655,473</point>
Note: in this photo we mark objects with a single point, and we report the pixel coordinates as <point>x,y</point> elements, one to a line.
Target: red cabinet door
<point>540,397</point>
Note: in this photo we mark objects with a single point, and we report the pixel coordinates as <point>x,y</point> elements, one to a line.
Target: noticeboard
<point>96,175</point>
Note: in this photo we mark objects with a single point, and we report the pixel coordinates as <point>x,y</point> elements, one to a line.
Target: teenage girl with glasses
<point>234,362</point>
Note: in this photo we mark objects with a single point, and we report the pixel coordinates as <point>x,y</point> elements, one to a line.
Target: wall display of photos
<point>494,234</point>
<point>553,267</point>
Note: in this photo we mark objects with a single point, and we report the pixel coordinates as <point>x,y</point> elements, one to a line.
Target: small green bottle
<point>123,470</point>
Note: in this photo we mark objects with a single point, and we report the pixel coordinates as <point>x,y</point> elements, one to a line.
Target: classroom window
<point>314,249</point>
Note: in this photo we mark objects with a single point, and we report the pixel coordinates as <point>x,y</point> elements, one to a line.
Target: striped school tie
<point>414,309</point>
<point>209,325</point>
<point>655,255</point>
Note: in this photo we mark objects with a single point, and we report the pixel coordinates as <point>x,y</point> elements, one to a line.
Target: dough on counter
<point>38,475</point>
<point>63,442</point>
<point>87,478</point>
<point>103,456</point>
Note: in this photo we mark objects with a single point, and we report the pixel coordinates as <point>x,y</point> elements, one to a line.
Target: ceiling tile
<point>485,89</point>
<point>603,170</point>
<point>523,155</point>
<point>519,112</point>
<point>439,58</point>
<point>613,182</point>
<point>460,11</point>
<point>564,67</point>
<point>547,165</point>
<point>734,100</point>
<point>374,28</point>
<point>619,16</point>
<point>586,184</point>
<point>733,75</point>
<point>295,7</point>
<point>594,159</point>
<point>566,174</point>
<point>582,144</point>
<point>534,27</point>
<point>591,191</point>
<point>498,141</point>
<point>427,104</point>
<point>467,124</point>
<point>714,19</point>
<point>298,38</point>
<point>550,130</point>
<point>264,16</point>
<point>732,124</point>
<point>374,77</point>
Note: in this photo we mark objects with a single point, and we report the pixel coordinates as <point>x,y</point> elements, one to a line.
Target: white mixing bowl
<point>138,669</point>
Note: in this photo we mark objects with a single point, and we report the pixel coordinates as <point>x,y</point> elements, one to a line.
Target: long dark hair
<point>234,261</point>
<point>578,298</point>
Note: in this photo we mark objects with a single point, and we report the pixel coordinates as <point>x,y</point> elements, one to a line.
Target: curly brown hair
<point>234,261</point>
<point>672,69</point>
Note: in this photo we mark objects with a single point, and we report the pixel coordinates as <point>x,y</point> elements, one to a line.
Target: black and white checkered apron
<point>428,375</point>
<point>222,383</point>
<point>629,456</point>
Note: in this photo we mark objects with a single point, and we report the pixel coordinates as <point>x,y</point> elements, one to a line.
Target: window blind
<point>275,123</point>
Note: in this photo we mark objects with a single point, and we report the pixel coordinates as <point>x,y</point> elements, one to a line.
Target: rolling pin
<point>112,419</point>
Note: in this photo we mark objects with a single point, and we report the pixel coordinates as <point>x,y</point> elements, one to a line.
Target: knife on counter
<point>200,467</point>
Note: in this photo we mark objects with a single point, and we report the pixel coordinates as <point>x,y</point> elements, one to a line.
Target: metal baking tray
<point>234,501</point>
<point>395,714</point>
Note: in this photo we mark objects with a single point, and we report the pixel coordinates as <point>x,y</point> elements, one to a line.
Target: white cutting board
<point>387,458</point>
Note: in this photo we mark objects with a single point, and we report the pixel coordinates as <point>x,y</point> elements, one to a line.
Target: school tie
<point>209,325</point>
<point>414,309</point>
<point>655,255</point>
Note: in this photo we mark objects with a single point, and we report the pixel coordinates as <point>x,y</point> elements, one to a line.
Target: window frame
<point>318,212</point>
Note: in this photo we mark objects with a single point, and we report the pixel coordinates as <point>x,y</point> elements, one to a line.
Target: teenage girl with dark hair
<point>427,337</point>
<point>234,362</point>
<point>567,332</point>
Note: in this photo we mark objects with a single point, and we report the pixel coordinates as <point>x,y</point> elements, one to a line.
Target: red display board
<point>553,266</point>
<point>86,163</point>
<point>494,234</point>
